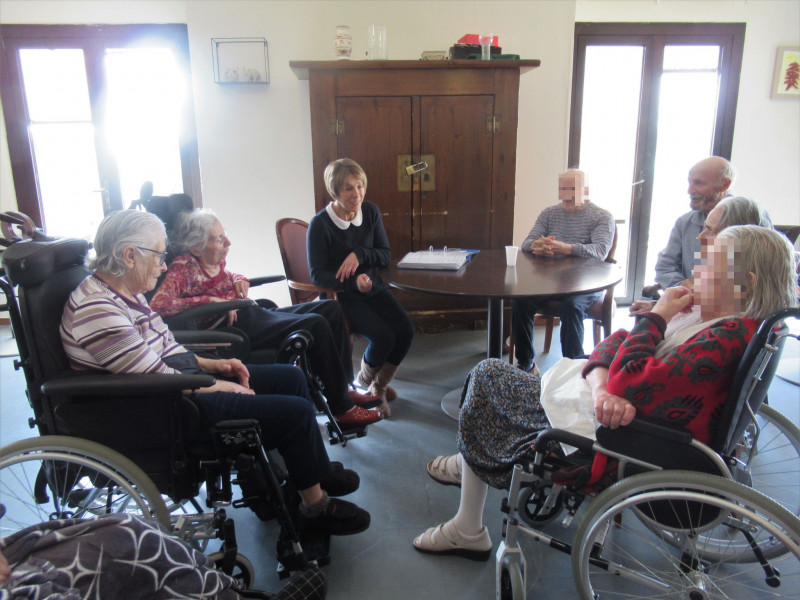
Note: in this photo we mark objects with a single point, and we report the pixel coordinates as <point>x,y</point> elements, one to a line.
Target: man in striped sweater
<point>574,227</point>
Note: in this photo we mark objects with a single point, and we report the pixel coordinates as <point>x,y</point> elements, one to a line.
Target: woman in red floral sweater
<point>675,366</point>
<point>199,276</point>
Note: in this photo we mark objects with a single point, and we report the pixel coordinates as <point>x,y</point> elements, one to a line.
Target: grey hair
<point>120,230</point>
<point>769,256</point>
<point>738,210</point>
<point>727,172</point>
<point>191,231</point>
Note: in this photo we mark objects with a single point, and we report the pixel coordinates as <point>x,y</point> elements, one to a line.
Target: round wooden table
<point>487,276</point>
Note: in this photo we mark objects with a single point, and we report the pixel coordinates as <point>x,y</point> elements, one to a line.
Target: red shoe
<point>358,416</point>
<point>363,400</point>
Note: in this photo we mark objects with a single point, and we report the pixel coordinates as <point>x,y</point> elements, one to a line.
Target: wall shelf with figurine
<point>240,61</point>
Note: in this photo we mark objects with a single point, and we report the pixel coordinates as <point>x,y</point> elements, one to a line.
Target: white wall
<point>255,141</point>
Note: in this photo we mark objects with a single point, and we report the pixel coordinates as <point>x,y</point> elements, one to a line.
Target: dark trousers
<point>329,357</point>
<point>287,417</point>
<point>572,314</point>
<point>381,320</point>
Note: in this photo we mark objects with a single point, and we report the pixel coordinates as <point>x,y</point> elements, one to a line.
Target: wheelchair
<point>668,516</point>
<point>127,442</point>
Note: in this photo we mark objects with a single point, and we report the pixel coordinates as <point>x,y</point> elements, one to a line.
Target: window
<point>91,113</point>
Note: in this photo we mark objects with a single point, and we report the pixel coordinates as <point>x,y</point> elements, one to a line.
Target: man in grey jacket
<point>709,181</point>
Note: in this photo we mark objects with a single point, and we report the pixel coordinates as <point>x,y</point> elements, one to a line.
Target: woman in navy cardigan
<point>347,244</point>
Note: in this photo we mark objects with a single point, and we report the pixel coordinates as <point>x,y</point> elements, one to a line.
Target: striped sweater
<point>102,330</point>
<point>590,230</point>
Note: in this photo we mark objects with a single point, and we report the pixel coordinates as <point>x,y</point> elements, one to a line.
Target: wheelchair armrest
<point>191,337</point>
<point>650,442</point>
<point>125,384</point>
<point>213,308</point>
<point>542,440</point>
<point>185,320</point>
<point>620,438</point>
<point>254,281</point>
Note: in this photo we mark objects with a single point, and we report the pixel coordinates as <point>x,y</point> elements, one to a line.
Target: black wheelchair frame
<point>125,442</point>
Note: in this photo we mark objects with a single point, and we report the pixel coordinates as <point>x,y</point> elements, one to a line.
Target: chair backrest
<point>292,243</point>
<point>45,273</point>
<point>752,380</point>
<point>610,256</point>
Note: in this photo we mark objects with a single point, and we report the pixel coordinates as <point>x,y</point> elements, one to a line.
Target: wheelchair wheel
<point>615,555</point>
<point>243,570</point>
<point>512,586</point>
<point>530,503</point>
<point>774,471</point>
<point>60,477</point>
<point>775,460</point>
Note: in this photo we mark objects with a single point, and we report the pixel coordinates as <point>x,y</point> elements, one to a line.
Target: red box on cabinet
<point>472,38</point>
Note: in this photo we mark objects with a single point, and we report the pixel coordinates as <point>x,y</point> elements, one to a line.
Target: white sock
<point>469,518</point>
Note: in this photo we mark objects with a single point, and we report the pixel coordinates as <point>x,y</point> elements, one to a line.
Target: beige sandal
<point>446,539</point>
<point>446,470</point>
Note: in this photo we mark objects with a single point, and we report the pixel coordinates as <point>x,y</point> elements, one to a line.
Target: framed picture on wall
<point>786,80</point>
<point>240,60</point>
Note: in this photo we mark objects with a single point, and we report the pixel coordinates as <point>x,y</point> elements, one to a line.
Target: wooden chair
<point>601,312</point>
<point>294,253</point>
<point>292,243</point>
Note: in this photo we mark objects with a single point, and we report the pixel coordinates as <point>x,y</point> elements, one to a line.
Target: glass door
<point>648,102</point>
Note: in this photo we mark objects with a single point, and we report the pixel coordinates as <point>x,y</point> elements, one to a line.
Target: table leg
<point>494,349</point>
<point>494,329</point>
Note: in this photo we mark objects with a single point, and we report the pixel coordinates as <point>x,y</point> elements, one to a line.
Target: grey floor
<point>402,499</point>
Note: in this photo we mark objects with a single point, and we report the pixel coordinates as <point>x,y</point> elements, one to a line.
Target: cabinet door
<point>375,131</point>
<point>458,212</point>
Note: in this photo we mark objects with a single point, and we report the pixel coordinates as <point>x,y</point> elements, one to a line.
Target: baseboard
<point>5,321</point>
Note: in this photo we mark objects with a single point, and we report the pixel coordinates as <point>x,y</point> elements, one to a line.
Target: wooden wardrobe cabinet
<point>458,116</point>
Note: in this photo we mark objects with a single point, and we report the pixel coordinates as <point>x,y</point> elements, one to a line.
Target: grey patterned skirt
<point>499,419</point>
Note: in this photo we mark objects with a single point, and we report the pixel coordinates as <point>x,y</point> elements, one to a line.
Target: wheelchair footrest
<point>348,432</point>
<point>315,551</point>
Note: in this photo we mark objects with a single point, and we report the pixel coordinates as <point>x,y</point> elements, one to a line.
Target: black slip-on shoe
<point>340,481</point>
<point>340,517</point>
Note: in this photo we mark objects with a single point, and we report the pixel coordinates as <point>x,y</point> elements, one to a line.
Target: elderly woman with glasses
<point>199,275</point>
<point>107,325</point>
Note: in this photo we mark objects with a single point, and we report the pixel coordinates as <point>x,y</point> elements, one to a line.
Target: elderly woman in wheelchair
<point>108,326</point>
<point>199,276</point>
<point>674,368</point>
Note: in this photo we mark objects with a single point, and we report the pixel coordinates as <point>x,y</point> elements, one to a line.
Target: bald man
<point>709,181</point>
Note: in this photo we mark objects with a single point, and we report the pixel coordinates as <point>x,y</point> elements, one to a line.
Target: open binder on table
<point>447,259</point>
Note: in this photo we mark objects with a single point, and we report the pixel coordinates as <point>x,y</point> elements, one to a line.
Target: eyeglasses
<point>162,255</point>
